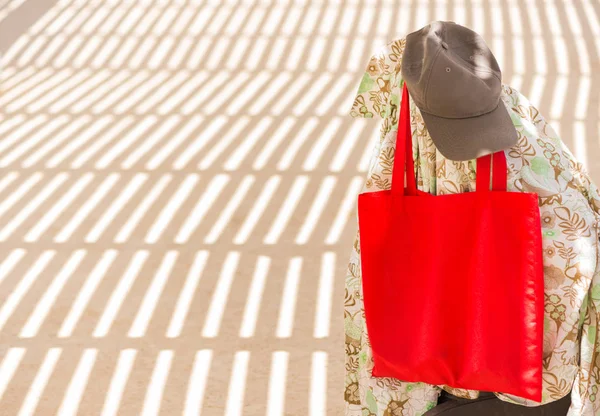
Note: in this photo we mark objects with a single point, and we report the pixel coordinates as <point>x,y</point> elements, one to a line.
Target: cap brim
<point>463,139</point>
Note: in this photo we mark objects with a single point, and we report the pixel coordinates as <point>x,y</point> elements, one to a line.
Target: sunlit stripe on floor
<point>44,305</point>
<point>322,320</point>
<point>349,141</point>
<point>580,143</point>
<point>249,140</point>
<point>50,128</point>
<point>9,7</point>
<point>13,77</point>
<point>18,293</point>
<point>152,296</point>
<point>371,149</point>
<point>593,20</point>
<point>116,94</point>
<point>334,92</point>
<point>216,309</point>
<point>182,48</point>
<point>319,84</point>
<point>255,297</point>
<point>58,139</point>
<point>280,135</point>
<point>498,36</point>
<point>260,204</point>
<point>287,306</point>
<point>248,92</point>
<point>58,90</point>
<point>9,365</point>
<point>84,211</point>
<point>286,211</point>
<point>460,12</point>
<point>142,208</point>
<point>5,181</point>
<point>583,96</point>
<point>237,129</point>
<point>343,214</point>
<point>139,94</point>
<point>170,209</point>
<point>189,100</point>
<point>175,80</point>
<point>441,10</point>
<point>318,384</point>
<point>225,94</point>
<point>127,194</point>
<point>20,131</point>
<point>158,134</point>
<point>316,51</point>
<point>559,95</point>
<point>292,93</point>
<point>197,383</point>
<point>183,93</point>
<point>85,293</point>
<point>39,90</point>
<point>237,384</point>
<point>227,213</point>
<point>37,387</point>
<point>422,16</point>
<point>299,139</point>
<point>125,51</point>
<point>537,89</point>
<point>141,53</point>
<point>118,382</point>
<point>10,262</point>
<point>354,64</point>
<point>9,124</point>
<point>321,144</point>
<point>326,187</point>
<point>80,93</point>
<point>515,39</point>
<point>95,136</point>
<point>202,206</point>
<point>108,48</point>
<point>120,293</point>
<point>273,22</point>
<point>186,295</point>
<point>58,208</point>
<point>207,134</point>
<point>277,383</point>
<point>176,139</point>
<point>277,85</point>
<point>119,128</point>
<point>74,393</point>
<point>141,128</point>
<point>155,390</point>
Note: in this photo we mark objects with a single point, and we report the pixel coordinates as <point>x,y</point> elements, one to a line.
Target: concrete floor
<point>177,198</point>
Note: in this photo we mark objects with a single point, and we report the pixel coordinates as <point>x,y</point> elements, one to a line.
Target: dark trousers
<point>489,405</point>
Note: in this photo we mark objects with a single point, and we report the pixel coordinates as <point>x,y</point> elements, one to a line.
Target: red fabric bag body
<point>453,285</point>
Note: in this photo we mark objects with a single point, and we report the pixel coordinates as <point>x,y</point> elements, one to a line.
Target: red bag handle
<point>403,159</point>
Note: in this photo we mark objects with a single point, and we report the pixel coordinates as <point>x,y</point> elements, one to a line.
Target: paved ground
<point>178,186</point>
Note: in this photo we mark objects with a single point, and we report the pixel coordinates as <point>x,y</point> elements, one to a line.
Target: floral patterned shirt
<point>570,210</point>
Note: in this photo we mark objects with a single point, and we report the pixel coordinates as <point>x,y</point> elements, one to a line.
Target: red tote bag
<point>453,284</point>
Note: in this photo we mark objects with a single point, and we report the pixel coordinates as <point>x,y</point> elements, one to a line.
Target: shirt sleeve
<point>372,98</point>
<point>584,395</point>
<point>585,399</point>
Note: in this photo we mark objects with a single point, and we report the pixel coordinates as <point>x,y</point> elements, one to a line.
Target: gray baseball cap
<point>455,81</point>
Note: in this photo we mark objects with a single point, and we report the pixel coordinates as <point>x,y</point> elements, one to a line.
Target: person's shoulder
<point>375,88</point>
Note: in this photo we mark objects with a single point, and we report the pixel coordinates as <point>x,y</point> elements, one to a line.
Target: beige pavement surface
<point>178,181</point>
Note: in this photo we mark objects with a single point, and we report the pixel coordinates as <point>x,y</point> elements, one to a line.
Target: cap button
<point>444,45</point>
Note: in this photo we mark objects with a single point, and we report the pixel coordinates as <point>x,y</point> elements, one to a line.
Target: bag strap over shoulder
<point>403,159</point>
